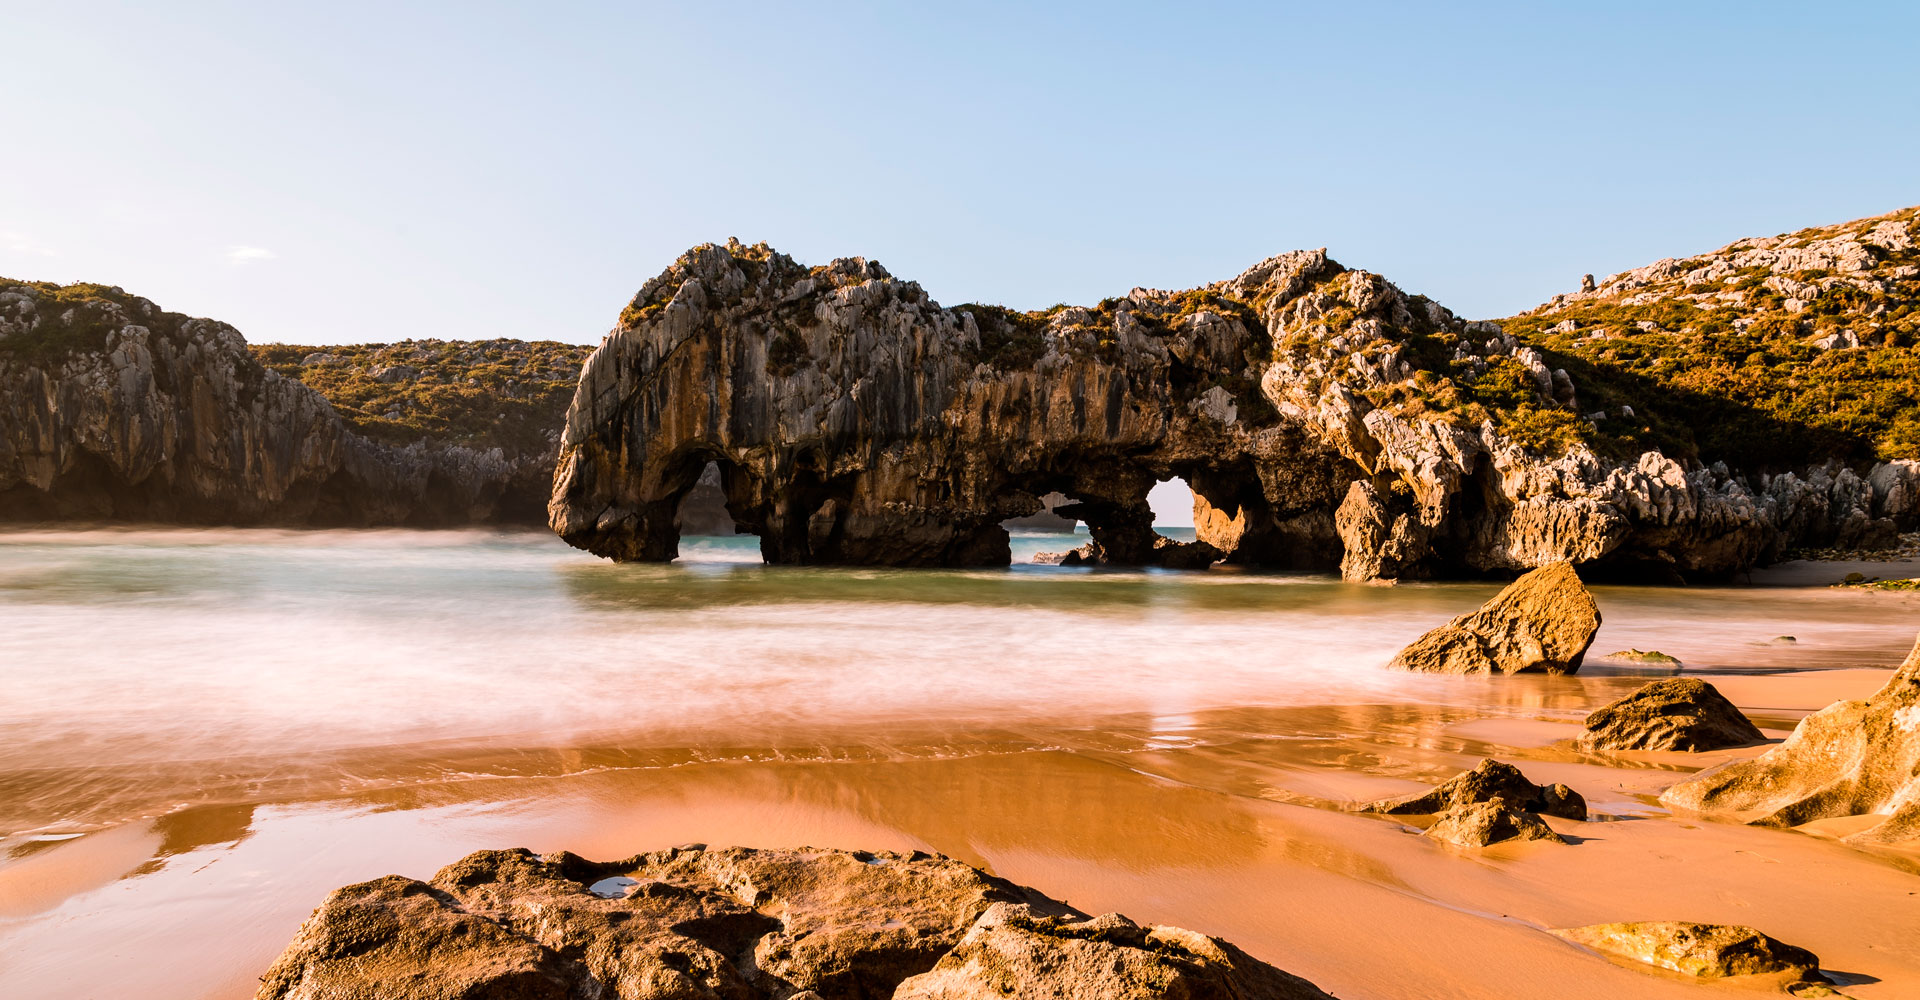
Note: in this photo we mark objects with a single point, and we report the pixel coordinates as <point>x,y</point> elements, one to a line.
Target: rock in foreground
<point>1489,781</point>
<point>1709,951</point>
<point>740,924</point>
<point>1852,758</point>
<point>1543,621</point>
<point>1482,823</point>
<point>1680,713</point>
<point>1671,714</point>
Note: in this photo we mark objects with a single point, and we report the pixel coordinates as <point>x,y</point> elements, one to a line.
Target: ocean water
<point>149,669</point>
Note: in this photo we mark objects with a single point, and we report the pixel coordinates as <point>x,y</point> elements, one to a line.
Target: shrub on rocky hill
<point>506,393</point>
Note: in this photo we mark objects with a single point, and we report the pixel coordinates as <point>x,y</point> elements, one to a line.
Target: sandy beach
<point>1233,838</point>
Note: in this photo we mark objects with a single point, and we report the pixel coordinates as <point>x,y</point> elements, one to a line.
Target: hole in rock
<point>1172,503</point>
<point>707,529</point>
<point>703,510</point>
<point>1045,521</point>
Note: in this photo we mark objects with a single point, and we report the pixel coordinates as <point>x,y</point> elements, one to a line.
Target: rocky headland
<point>119,410</point>
<point>1323,417</point>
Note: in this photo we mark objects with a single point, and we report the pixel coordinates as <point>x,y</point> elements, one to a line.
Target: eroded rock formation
<point>1542,622</point>
<point>1852,758</point>
<point>742,924</point>
<point>1322,416</point>
<point>118,410</point>
<point>1679,713</point>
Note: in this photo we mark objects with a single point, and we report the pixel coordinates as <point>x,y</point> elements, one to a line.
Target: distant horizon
<point>468,172</point>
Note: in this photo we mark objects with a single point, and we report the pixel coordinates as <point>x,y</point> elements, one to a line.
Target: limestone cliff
<point>1322,416</point>
<point>118,410</point>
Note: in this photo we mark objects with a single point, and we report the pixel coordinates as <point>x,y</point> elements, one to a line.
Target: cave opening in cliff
<point>1172,503</point>
<point>703,508</point>
<point>1046,520</point>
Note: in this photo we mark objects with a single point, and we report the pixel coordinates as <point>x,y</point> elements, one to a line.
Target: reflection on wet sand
<point>1305,887</point>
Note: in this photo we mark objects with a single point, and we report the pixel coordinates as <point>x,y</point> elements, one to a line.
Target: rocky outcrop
<point>1852,758</point>
<point>1481,824</point>
<point>1680,713</point>
<point>1542,622</point>
<point>1323,417</point>
<point>1710,951</point>
<point>742,924</point>
<point>118,410</point>
<point>1489,781</point>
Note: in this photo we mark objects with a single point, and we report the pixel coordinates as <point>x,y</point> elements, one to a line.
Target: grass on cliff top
<point>1701,386</point>
<point>508,394</point>
<point>74,319</point>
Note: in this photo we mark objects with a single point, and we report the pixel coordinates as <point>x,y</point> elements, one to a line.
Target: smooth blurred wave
<point>160,661</point>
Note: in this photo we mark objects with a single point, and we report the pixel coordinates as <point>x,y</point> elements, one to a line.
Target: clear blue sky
<point>362,172</point>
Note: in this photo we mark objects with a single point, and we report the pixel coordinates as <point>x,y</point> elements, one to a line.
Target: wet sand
<point>1231,836</point>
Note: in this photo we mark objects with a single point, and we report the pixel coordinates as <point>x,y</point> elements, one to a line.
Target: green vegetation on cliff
<point>76,319</point>
<point>1764,353</point>
<point>506,393</point>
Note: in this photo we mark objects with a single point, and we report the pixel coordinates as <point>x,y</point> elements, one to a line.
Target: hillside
<point>508,394</point>
<point>1766,353</point>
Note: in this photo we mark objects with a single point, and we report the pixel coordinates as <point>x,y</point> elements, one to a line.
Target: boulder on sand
<point>1479,824</point>
<point>1488,781</point>
<point>742,924</point>
<point>1543,621</point>
<point>1852,758</point>
<point>1709,951</point>
<point>1679,713</point>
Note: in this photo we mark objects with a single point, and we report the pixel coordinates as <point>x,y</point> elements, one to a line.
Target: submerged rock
<point>1852,758</point>
<point>1543,621</point>
<point>743,924</point>
<point>1489,781</point>
<point>1709,951</point>
<point>1650,657</point>
<point>1479,824</point>
<point>1680,713</point>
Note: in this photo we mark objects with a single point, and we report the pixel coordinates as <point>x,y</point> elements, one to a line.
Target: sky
<point>345,172</point>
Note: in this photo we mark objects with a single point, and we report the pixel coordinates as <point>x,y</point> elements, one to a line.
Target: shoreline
<point>1209,836</point>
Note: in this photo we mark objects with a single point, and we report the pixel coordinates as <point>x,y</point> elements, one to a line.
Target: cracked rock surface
<point>741,923</point>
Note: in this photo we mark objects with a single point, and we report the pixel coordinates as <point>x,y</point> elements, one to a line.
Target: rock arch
<point>1310,407</point>
<point>862,423</point>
